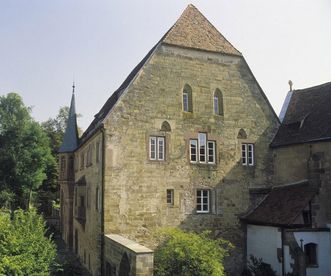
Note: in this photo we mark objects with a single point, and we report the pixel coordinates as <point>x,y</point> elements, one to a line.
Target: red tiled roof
<point>282,205</point>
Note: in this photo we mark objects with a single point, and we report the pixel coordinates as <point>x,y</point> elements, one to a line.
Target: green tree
<point>24,247</point>
<point>55,128</point>
<point>189,254</point>
<point>24,153</point>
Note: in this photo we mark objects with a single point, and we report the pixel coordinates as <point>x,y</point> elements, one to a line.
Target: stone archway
<point>125,266</point>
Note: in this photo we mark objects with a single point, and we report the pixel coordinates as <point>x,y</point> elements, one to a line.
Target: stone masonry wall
<point>135,187</point>
<point>89,231</point>
<point>123,255</point>
<point>307,161</point>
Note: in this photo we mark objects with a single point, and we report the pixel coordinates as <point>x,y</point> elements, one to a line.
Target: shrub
<point>259,268</point>
<point>24,248</point>
<point>189,254</point>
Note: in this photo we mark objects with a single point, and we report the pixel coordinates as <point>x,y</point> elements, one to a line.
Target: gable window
<point>202,150</point>
<point>203,201</point>
<point>157,148</point>
<point>218,102</point>
<point>311,254</point>
<point>247,154</point>
<point>187,99</point>
<point>170,196</point>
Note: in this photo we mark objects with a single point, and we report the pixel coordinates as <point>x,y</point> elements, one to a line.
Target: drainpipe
<point>283,259</point>
<point>102,202</point>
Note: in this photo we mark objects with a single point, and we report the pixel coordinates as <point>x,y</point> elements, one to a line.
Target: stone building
<point>290,228</point>
<point>180,143</point>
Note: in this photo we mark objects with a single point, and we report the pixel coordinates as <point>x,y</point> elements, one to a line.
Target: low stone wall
<point>126,257</point>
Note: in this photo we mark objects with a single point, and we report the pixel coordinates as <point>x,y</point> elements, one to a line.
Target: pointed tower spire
<point>70,138</point>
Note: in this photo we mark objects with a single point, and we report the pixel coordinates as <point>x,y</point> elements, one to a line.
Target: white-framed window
<point>247,154</point>
<point>170,196</point>
<point>202,150</point>
<point>203,201</point>
<point>157,148</point>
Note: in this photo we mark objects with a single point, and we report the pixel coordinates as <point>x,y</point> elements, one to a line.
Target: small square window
<point>203,201</point>
<point>170,196</point>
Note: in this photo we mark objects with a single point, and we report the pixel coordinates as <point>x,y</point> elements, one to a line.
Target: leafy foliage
<point>24,153</point>
<point>189,254</point>
<point>257,267</point>
<point>24,248</point>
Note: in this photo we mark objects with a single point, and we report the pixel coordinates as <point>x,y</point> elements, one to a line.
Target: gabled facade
<point>179,144</point>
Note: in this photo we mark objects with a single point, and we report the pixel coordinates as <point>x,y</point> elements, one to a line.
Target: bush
<point>189,254</point>
<point>259,268</point>
<point>24,248</point>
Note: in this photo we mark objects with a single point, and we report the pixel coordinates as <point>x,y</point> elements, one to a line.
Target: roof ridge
<point>312,87</point>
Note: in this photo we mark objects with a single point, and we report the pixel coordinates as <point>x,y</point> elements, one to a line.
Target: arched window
<point>242,134</point>
<point>187,99</point>
<point>218,102</point>
<point>165,126</point>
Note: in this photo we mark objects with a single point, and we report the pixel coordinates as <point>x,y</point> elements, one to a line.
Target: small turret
<point>67,173</point>
<point>70,138</point>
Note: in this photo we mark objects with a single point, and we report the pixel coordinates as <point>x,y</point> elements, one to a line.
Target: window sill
<point>207,166</point>
<point>312,266</point>
<point>157,161</point>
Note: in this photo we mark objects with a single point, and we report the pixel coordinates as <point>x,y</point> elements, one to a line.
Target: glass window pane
<point>216,105</point>
<point>161,148</point>
<point>243,154</point>
<point>185,102</point>
<point>250,154</point>
<point>211,151</point>
<point>152,148</point>
<point>193,150</point>
<point>202,147</point>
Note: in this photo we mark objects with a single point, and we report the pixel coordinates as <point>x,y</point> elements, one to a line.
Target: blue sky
<point>45,44</point>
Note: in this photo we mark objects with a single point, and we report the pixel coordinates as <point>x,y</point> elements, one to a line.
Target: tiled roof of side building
<point>192,30</point>
<point>282,206</point>
<point>308,117</point>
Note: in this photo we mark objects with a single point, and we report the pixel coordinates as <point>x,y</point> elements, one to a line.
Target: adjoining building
<point>290,228</point>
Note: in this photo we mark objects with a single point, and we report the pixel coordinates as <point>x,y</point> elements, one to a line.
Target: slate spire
<point>70,138</point>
